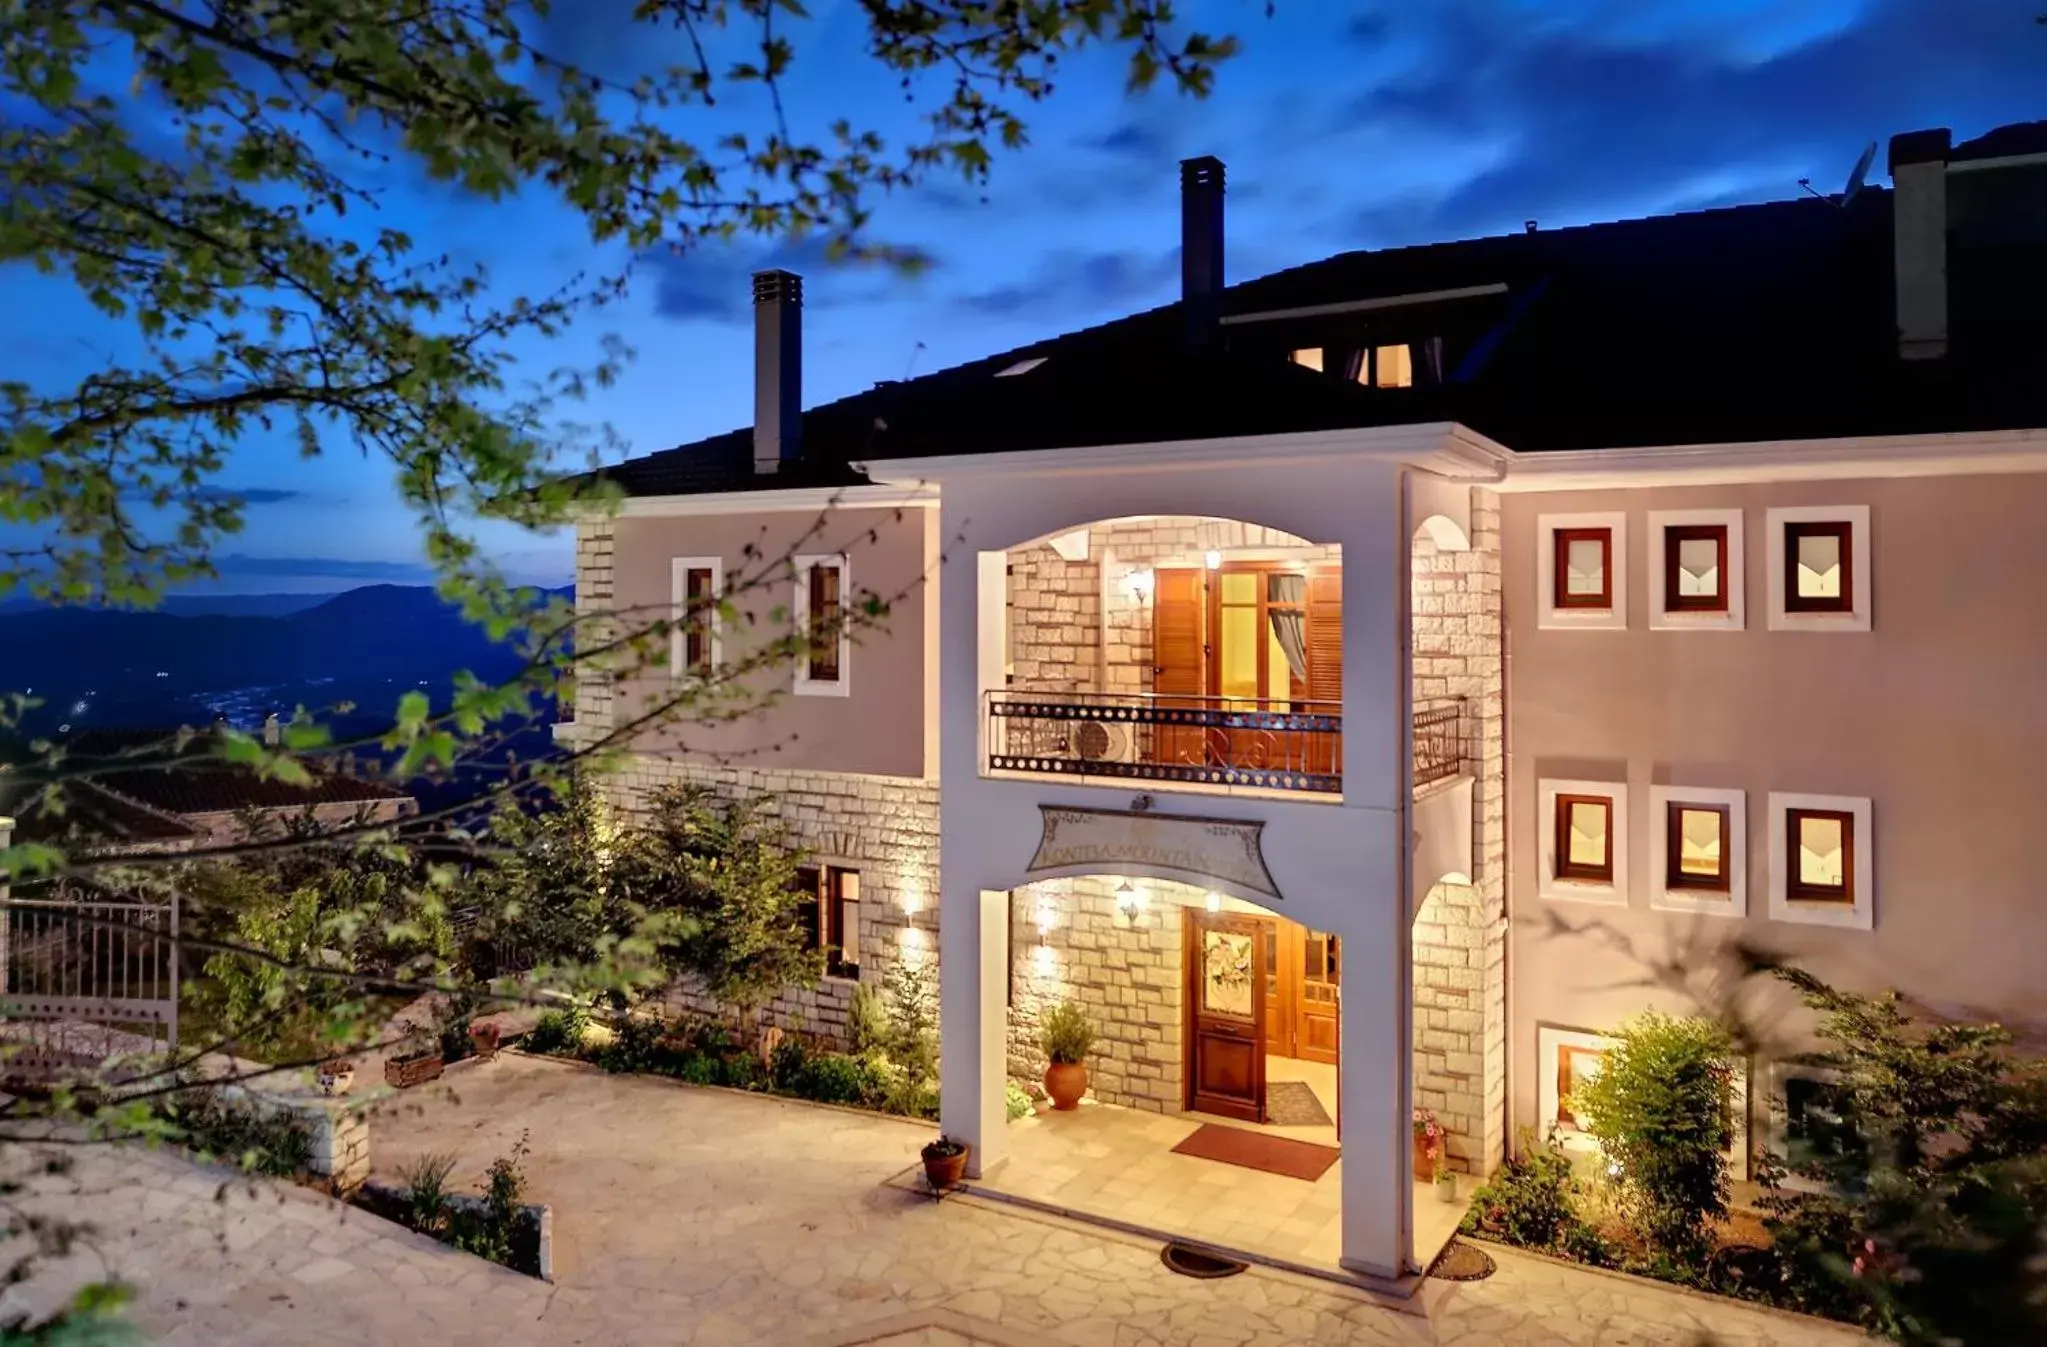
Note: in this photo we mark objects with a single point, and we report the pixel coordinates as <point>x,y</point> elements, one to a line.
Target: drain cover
<point>1460,1262</point>
<point>1189,1261</point>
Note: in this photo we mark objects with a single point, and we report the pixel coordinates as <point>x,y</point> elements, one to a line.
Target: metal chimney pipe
<point>1201,246</point>
<point>777,369</point>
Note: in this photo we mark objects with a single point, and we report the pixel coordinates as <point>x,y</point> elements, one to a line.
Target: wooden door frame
<point>1212,650</point>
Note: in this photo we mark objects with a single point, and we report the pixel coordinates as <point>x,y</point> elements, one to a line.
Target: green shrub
<point>1533,1201</point>
<point>558,1031</point>
<point>237,1133</point>
<point>1066,1034</point>
<point>426,1191</point>
<point>1662,1107</point>
<point>1016,1101</point>
<point>836,1078</point>
<point>635,1045</point>
<point>786,1065</point>
<point>742,1071</point>
<point>697,1069</point>
<point>867,1020</point>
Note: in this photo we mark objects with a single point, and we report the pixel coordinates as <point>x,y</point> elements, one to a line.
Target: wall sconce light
<point>1214,559</point>
<point>1138,584</point>
<point>1129,900</point>
<point>1215,901</point>
<point>1043,918</point>
<point>910,897</point>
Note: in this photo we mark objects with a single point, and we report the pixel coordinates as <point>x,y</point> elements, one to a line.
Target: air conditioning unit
<point>1104,741</point>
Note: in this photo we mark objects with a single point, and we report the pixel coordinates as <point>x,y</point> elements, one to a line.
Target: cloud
<point>1068,284</point>
<point>1603,112</point>
<point>712,282</point>
<point>1146,141</point>
<point>214,494</point>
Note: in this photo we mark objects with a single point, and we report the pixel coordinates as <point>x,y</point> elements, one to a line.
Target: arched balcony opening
<point>1192,652</point>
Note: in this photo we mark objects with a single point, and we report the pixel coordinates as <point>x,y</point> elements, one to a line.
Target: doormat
<point>1255,1150</point>
<point>1292,1103</point>
<point>1189,1261</point>
<point>1460,1262</point>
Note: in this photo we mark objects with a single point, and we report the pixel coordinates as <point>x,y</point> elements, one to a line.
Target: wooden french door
<point>1303,974</point>
<point>1263,636</point>
<point>1225,978</point>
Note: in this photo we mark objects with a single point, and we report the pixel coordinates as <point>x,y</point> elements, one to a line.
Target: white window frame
<point>1548,886</point>
<point>678,600</point>
<point>1860,913</point>
<point>1551,617</point>
<point>806,686</point>
<point>1734,583</point>
<point>1777,1073</point>
<point>1662,897</point>
<point>1549,1037</point>
<point>1860,578</point>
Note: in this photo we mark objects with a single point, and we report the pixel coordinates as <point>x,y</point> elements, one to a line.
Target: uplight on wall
<point>1043,918</point>
<point>911,897</point>
<point>1214,559</point>
<point>1215,901</point>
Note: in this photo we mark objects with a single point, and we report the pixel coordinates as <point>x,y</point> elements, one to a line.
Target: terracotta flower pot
<point>1425,1159</point>
<point>483,1036</point>
<point>335,1078</point>
<point>943,1171</point>
<point>1066,1082</point>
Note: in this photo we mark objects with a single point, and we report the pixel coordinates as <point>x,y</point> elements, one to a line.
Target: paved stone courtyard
<point>702,1216</point>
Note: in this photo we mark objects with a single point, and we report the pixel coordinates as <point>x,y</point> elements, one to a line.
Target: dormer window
<point>1392,367</point>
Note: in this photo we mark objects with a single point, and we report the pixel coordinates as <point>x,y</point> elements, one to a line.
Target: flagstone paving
<point>703,1216</point>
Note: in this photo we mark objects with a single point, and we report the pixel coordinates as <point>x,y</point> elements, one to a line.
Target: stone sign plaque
<point>1198,850</point>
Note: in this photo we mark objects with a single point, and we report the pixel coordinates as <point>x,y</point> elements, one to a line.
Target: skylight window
<point>1020,367</point>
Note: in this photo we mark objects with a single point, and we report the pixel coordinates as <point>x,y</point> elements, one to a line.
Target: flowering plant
<point>1427,1129</point>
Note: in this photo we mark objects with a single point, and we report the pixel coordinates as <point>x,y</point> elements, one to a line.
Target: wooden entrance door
<point>1303,974</point>
<point>1225,977</point>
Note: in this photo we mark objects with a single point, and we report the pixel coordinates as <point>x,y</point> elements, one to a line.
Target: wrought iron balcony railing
<point>1438,740</point>
<point>1210,741</point>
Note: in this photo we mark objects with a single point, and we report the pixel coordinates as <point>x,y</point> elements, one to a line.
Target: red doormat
<point>1255,1150</point>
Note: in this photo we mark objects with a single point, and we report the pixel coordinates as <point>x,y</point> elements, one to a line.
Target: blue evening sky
<point>1344,125</point>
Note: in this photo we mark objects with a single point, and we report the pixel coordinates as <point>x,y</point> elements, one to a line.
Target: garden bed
<point>526,1245</point>
<point>705,1053</point>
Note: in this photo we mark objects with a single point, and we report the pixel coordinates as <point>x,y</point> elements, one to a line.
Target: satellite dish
<point>1860,175</point>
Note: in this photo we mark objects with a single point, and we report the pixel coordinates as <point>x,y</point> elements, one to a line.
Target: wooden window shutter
<point>1179,658</point>
<point>1325,634</point>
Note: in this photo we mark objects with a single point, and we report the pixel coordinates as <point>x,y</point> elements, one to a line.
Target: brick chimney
<point>1201,247</point>
<point>777,370</point>
<point>1919,241</point>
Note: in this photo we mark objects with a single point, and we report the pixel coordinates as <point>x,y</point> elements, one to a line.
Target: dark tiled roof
<point>1759,322</point>
<point>94,815</point>
<point>2003,143</point>
<point>145,769</point>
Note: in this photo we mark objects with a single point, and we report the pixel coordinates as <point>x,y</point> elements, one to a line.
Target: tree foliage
<point>727,873</point>
<point>1662,1109</point>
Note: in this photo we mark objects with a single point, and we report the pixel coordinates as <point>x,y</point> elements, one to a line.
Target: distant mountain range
<point>199,659</point>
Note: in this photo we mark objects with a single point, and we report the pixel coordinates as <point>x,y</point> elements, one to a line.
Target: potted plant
<point>415,1061</point>
<point>483,1037</point>
<point>335,1077</point>
<point>944,1161</point>
<point>1428,1144</point>
<point>1446,1185</point>
<point>1067,1037</point>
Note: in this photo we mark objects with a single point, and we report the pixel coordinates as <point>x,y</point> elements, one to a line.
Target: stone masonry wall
<point>1080,626</point>
<point>1124,973</point>
<point>594,591</point>
<point>884,827</point>
<point>1460,1045</point>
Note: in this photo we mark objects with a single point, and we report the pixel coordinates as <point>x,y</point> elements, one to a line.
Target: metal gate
<point>85,982</point>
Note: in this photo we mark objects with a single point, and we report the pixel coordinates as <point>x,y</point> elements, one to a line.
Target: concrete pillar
<point>1378,1188</point>
<point>973,944</point>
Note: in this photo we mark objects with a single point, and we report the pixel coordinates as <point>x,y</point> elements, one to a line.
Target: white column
<point>1378,1189</point>
<point>973,943</point>
<point>1378,1193</point>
